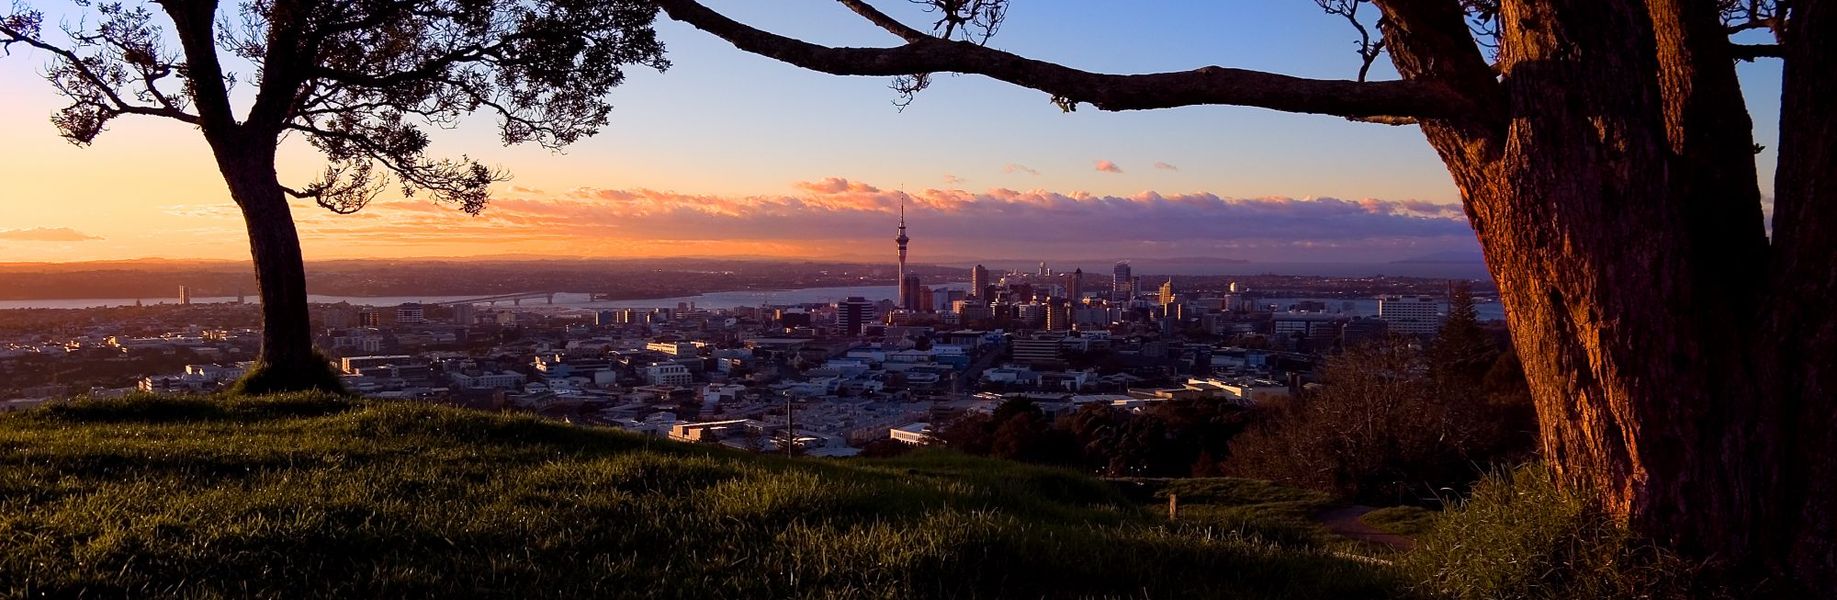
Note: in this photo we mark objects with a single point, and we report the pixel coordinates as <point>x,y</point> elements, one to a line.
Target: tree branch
<point>1750,52</point>
<point>1069,87</point>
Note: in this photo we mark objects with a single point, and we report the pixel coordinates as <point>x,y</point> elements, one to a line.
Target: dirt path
<point>1344,521</point>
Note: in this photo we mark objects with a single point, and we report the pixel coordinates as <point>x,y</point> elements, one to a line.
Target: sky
<point>731,154</point>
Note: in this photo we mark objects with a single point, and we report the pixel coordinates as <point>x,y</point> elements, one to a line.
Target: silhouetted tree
<point>359,80</point>
<point>1679,354</point>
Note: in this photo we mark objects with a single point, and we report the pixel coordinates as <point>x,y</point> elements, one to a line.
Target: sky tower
<point>904,293</point>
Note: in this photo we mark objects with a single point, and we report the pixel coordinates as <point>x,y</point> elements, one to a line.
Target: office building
<point>1122,283</point>
<point>1167,292</point>
<point>410,313</point>
<point>852,314</point>
<point>184,294</point>
<point>979,282</point>
<point>1074,289</point>
<point>1411,315</point>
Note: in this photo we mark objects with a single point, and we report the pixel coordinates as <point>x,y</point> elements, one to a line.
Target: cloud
<point>46,234</point>
<point>1166,167</point>
<point>950,179</point>
<point>842,218</point>
<point>1108,167</point>
<point>834,185</point>
<point>1014,168</point>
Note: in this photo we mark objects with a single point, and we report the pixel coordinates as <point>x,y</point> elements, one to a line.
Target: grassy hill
<point>311,495</point>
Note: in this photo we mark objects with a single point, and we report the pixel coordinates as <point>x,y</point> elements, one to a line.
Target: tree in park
<point>357,79</point>
<point>1682,355</point>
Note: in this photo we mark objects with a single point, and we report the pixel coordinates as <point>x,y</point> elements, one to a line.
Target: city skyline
<point>1018,179</point>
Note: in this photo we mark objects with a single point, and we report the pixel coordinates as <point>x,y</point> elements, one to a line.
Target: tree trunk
<point>1617,205</point>
<point>288,361</point>
<point>1804,273</point>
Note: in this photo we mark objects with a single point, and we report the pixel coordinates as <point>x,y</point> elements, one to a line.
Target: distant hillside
<point>318,496</point>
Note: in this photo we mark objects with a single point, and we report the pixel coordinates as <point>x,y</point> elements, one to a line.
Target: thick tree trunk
<point>1804,274</point>
<point>1616,202</point>
<point>288,361</point>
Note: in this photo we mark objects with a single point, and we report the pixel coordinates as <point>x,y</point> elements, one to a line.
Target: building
<point>1167,292</point>
<point>1074,289</point>
<point>464,314</point>
<point>505,380</point>
<point>979,282</point>
<point>184,294</point>
<point>912,293</point>
<point>1122,283</point>
<point>917,434</point>
<point>1058,315</point>
<point>674,348</point>
<point>1411,315</point>
<point>853,314</point>
<point>353,364</point>
<point>1040,349</point>
<point>668,373</point>
<point>907,288</point>
<point>410,313</point>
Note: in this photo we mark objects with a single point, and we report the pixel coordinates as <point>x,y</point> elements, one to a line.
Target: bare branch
<point>1207,85</point>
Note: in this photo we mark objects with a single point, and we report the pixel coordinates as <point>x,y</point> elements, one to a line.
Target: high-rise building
<point>1122,283</point>
<point>907,287</point>
<point>184,294</point>
<point>912,293</point>
<point>1167,292</point>
<point>1411,315</point>
<point>852,314</point>
<point>464,314</point>
<point>1074,289</point>
<point>979,282</point>
<point>1058,315</point>
<point>410,313</point>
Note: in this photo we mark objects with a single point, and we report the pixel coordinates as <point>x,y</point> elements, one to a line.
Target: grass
<point>318,495</point>
<point>1400,520</point>
<point>1246,506</point>
<point>1520,536</point>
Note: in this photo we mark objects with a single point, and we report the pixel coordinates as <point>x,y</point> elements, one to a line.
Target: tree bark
<point>1804,280</point>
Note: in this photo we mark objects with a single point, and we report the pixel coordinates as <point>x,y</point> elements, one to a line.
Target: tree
<point>359,80</point>
<point>1681,358</point>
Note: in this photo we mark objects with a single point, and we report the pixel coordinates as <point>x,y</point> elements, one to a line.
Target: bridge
<point>515,299</point>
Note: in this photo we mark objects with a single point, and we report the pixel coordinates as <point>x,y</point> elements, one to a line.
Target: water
<point>1368,307</point>
<point>567,300</point>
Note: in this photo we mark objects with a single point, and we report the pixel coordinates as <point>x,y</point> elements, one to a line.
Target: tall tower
<point>1074,289</point>
<point>979,282</point>
<point>1167,292</point>
<point>1122,283</point>
<point>904,292</point>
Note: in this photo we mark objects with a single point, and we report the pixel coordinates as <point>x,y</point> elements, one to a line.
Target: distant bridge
<point>516,299</point>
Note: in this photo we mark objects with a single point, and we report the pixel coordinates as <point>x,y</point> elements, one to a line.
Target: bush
<point>1520,536</point>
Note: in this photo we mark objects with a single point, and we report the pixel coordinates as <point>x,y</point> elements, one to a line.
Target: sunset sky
<point>730,154</point>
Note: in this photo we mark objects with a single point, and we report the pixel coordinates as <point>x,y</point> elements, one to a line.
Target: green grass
<point>1520,536</point>
<point>1244,506</point>
<point>316,495</point>
<point>1400,520</point>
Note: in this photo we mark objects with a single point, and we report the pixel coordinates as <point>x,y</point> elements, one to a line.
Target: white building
<point>917,434</point>
<point>668,374</point>
<point>1411,315</point>
<point>507,380</point>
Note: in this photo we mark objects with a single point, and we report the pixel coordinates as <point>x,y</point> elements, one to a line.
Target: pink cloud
<point>1166,167</point>
<point>834,185</point>
<point>950,179</point>
<point>1108,167</point>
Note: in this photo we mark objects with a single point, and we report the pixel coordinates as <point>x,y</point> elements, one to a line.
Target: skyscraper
<point>911,293</point>
<point>184,294</point>
<point>1074,289</point>
<point>852,314</point>
<point>1167,292</point>
<point>905,292</point>
<point>1122,283</point>
<point>979,282</point>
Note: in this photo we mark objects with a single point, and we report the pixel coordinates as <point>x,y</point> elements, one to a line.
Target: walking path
<point>1344,521</point>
